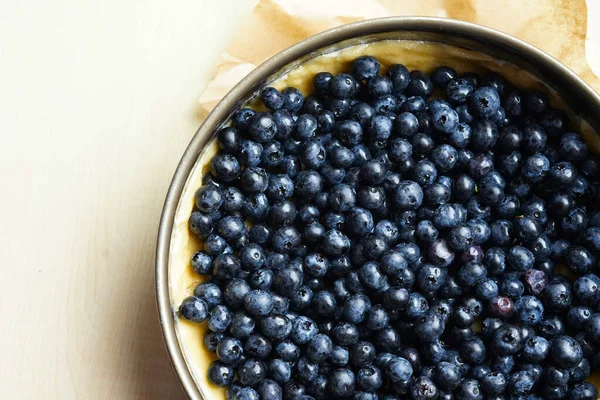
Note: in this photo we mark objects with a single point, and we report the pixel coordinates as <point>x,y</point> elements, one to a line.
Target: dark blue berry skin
<point>503,364</point>
<point>420,85</point>
<point>319,348</point>
<point>484,136</point>
<point>258,302</point>
<point>285,124</point>
<point>534,138</point>
<point>301,299</point>
<point>408,195</point>
<point>231,228</point>
<point>209,293</point>
<point>261,279</point>
<point>307,370</point>
<point>336,243</point>
<point>535,168</point>
<point>557,295</point>
<point>201,224</point>
<point>398,369</point>
<point>444,120</point>
<point>528,310</point>
<point>269,390</point>
<point>520,383</point>
<point>379,86</point>
<point>341,383</point>
<point>321,82</point>
<point>263,127</point>
<point>458,90</point>
<point>250,153</point>
<point>292,99</point>
<point>485,101</point>
<point>313,154</point>
<point>426,231</point>
<point>579,260</point>
<point>226,266</point>
<point>430,277</point>
<point>371,275</point>
<point>242,118</point>
<point>257,346</point>
<point>193,309</point>
<point>572,147</point>
<point>252,372</point>
<point>423,388</point>
<point>591,238</point>
<point>342,86</point>
<point>480,166</point>
<point>442,76</point>
<point>575,222</point>
<point>219,319</point>
<point>536,349</point>
<point>221,374</point>
<point>365,67</point>
<point>308,184</point>
<point>211,340</point>
<point>341,156</point>
<point>361,113</point>
<point>201,263</point>
<point>551,327</point>
<point>586,291</point>
<point>229,350</point>
<point>406,125</point>
<point>208,198</point>
<point>583,391</point>
<point>276,326</point>
<point>506,340</point>
<point>355,308</point>
<point>565,352</point>
<point>272,98</point>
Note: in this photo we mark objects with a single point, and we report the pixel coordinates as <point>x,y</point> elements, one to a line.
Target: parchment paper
<point>556,26</point>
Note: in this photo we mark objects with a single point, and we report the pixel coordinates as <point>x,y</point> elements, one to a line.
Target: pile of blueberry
<point>400,236</point>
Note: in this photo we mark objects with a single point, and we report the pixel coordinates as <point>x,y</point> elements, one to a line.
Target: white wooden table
<point>98,100</point>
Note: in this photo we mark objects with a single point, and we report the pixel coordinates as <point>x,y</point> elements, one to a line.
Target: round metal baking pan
<point>579,96</point>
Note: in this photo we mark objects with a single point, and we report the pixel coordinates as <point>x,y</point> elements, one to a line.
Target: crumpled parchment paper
<point>556,26</point>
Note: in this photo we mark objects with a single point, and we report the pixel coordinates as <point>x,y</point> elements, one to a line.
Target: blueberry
<point>287,351</point>
<point>341,383</point>
<point>243,117</point>
<point>193,309</point>
<point>252,372</point>
<point>485,101</point>
<point>365,67</point>
<point>565,352</point>
<point>226,266</point>
<point>583,391</point>
<point>586,289</point>
<point>221,374</point>
<point>308,184</point>
<point>355,308</point>
<point>557,295</point>
<point>506,340</point>
<point>336,243</point>
<point>423,388</point>
<point>440,253</point>
<point>520,383</point>
<point>272,98</point>
<point>292,99</point>
<point>408,195</point>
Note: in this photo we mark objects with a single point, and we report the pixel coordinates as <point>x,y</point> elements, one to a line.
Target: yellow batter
<point>424,56</point>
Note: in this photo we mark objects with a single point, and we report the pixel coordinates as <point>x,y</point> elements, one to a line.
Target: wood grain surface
<point>98,100</point>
